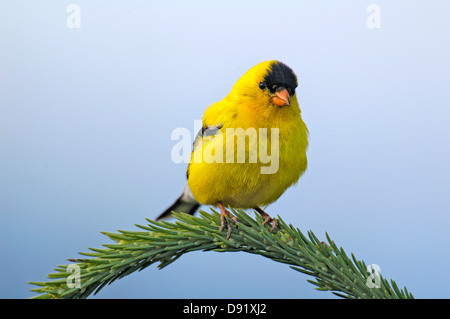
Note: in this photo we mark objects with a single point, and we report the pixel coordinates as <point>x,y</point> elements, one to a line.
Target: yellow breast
<point>254,158</point>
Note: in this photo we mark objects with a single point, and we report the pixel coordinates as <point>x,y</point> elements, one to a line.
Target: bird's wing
<point>214,120</point>
<point>205,131</point>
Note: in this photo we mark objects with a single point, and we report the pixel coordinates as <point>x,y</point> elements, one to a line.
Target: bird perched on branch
<point>251,148</point>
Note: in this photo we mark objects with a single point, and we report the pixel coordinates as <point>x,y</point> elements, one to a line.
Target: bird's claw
<point>268,219</point>
<point>274,222</point>
<point>224,222</point>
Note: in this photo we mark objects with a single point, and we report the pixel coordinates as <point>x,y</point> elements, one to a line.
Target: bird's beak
<point>281,97</point>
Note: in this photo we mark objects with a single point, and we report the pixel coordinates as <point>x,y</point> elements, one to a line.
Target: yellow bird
<point>251,148</point>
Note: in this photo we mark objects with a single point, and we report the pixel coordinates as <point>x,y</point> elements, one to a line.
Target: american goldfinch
<point>251,148</point>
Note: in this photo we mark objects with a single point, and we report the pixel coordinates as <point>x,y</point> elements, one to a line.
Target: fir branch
<point>163,242</point>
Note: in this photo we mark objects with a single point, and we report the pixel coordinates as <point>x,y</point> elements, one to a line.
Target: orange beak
<point>281,97</point>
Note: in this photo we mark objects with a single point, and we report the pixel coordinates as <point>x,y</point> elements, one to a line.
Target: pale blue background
<point>86,117</point>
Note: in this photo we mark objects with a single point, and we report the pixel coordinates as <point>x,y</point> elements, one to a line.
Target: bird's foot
<point>224,222</point>
<point>267,219</point>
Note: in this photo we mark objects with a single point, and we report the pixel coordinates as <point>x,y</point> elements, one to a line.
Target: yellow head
<point>270,84</point>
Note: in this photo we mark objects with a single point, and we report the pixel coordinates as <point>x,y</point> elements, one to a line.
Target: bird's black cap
<point>280,75</point>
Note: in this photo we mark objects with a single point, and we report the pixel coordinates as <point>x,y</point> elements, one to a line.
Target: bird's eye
<point>262,85</point>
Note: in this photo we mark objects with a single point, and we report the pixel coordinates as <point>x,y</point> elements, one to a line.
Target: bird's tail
<point>186,203</point>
